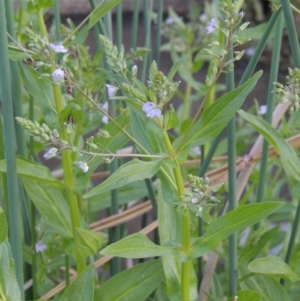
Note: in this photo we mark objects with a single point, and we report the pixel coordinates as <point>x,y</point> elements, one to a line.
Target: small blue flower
<point>151,110</point>
<point>111,90</point>
<point>83,166</point>
<point>58,48</point>
<point>40,246</point>
<point>212,25</point>
<point>52,152</point>
<point>58,75</point>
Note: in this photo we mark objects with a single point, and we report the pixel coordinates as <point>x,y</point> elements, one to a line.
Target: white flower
<point>58,75</point>
<point>194,200</point>
<point>263,110</point>
<point>40,246</point>
<point>250,51</point>
<point>83,166</point>
<point>212,25</point>
<point>60,48</point>
<point>203,18</point>
<point>50,153</point>
<point>104,117</point>
<point>111,90</point>
<point>151,110</point>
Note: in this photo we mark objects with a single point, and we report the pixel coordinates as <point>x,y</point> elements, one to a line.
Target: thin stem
<point>57,20</point>
<point>119,25</point>
<point>14,218</point>
<point>158,31</point>
<point>135,21</point>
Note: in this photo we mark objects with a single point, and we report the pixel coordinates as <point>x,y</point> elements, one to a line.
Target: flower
<point>58,75</point>
<point>111,90</point>
<point>194,200</point>
<point>203,18</point>
<point>212,25</point>
<point>40,246</point>
<point>60,48</point>
<point>151,110</point>
<point>50,153</point>
<point>83,166</point>
<point>263,110</point>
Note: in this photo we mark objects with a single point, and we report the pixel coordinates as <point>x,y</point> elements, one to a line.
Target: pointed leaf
<point>290,161</point>
<point>87,242</point>
<point>233,221</point>
<point>175,66</point>
<point>132,171</point>
<point>135,284</point>
<point>3,226</point>
<point>215,118</point>
<point>82,289</point>
<point>101,10</point>
<point>8,281</point>
<point>246,295</point>
<point>136,246</point>
<point>272,266</point>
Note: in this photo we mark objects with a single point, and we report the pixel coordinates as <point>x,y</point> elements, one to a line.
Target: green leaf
<point>8,281</point>
<point>132,171</point>
<point>233,221</point>
<point>290,161</point>
<point>82,289</point>
<point>136,246</point>
<point>272,266</point>
<point>246,295</point>
<point>34,171</point>
<point>87,242</point>
<point>215,118</point>
<point>171,120</point>
<point>81,36</point>
<point>3,226</point>
<point>52,206</point>
<point>135,284</point>
<point>127,193</point>
<point>101,10</point>
<point>16,54</point>
<point>175,67</point>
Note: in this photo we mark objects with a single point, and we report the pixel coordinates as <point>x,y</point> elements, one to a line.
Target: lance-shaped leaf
<point>272,266</point>
<point>214,119</point>
<point>290,161</point>
<point>233,221</point>
<point>87,242</point>
<point>132,171</point>
<point>82,289</point>
<point>136,246</point>
<point>246,295</point>
<point>3,226</point>
<point>135,284</point>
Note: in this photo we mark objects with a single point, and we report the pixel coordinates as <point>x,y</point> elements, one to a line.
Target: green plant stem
<point>57,20</point>
<point>186,239</point>
<point>14,217</point>
<point>270,106</point>
<point>160,11</point>
<point>119,25</point>
<point>66,163</point>
<point>151,196</point>
<point>232,185</point>
<point>135,21</point>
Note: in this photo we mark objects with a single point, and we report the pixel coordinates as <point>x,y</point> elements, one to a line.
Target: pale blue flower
<point>58,75</point>
<point>263,110</point>
<point>40,246</point>
<point>212,25</point>
<point>111,90</point>
<point>58,48</point>
<point>50,153</point>
<point>151,110</point>
<point>83,166</point>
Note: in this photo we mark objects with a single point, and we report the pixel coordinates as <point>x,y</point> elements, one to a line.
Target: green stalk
<point>231,184</point>
<point>57,20</point>
<point>158,31</point>
<point>151,196</point>
<point>148,4</point>
<point>292,32</point>
<point>135,22</point>
<point>270,104</point>
<point>119,25</point>
<point>14,217</point>
<point>66,162</point>
<point>186,239</point>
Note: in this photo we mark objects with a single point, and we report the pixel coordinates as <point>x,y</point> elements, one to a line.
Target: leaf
<point>136,246</point>
<point>3,226</point>
<point>82,35</point>
<point>215,118</point>
<point>233,221</point>
<point>135,284</point>
<point>52,206</point>
<point>246,295</point>
<point>101,10</point>
<point>82,289</point>
<point>87,242</point>
<point>175,67</point>
<point>272,266</point>
<point>8,281</point>
<point>127,193</point>
<point>290,161</point>
<point>31,170</point>
<point>132,171</point>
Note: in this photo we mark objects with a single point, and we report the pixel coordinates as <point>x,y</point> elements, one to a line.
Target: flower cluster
<point>290,91</point>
